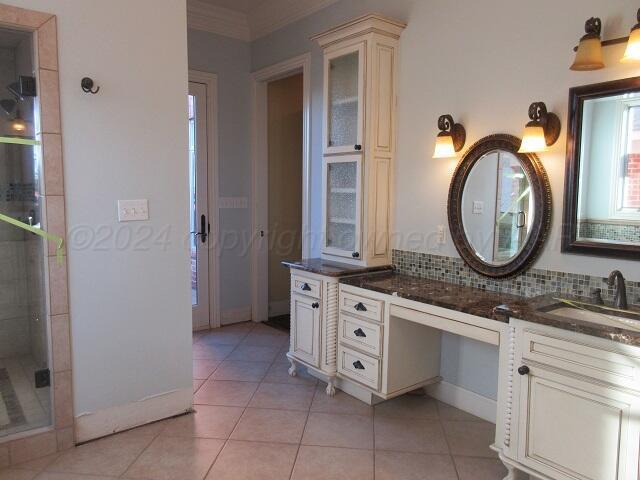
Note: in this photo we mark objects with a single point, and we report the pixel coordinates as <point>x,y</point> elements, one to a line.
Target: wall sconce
<point>632,53</point>
<point>451,138</point>
<point>589,50</point>
<point>542,131</point>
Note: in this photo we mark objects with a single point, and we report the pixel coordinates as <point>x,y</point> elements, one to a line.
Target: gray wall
<point>230,60</point>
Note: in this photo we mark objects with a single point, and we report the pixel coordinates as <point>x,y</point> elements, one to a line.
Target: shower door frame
<point>32,444</point>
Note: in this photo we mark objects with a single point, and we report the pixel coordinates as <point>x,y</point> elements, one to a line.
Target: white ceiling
<point>243,6</point>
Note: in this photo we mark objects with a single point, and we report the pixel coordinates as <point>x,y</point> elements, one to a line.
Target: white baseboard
<point>236,315</point>
<point>279,307</point>
<point>101,423</point>
<point>466,400</point>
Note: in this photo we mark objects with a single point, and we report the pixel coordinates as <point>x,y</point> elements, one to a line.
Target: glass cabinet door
<point>344,80</point>
<point>342,206</point>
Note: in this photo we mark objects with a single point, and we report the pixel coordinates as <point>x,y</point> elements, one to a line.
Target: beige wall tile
<point>33,447</point>
<point>53,172</point>
<point>49,102</point>
<point>63,395</point>
<point>56,222</point>
<point>61,342</point>
<point>48,45</point>
<point>22,17</point>
<point>65,438</point>
<point>58,286</point>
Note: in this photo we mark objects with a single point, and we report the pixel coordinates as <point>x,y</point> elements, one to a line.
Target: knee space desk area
<point>568,399</point>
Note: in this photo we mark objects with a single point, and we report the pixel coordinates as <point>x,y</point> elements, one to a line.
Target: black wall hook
<point>87,86</point>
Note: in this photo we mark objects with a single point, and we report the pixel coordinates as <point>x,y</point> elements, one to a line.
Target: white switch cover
<point>478,207</point>
<point>133,210</point>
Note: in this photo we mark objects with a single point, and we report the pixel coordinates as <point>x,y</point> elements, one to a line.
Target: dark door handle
<point>359,333</point>
<point>523,370</point>
<point>355,255</point>
<point>360,307</point>
<point>203,228</point>
<point>358,365</point>
<point>305,287</point>
<point>357,147</point>
<point>315,305</point>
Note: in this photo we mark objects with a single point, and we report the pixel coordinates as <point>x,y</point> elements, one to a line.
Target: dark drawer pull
<point>315,305</point>
<point>523,370</point>
<point>357,147</point>
<point>359,333</point>
<point>355,254</point>
<point>358,365</point>
<point>305,287</point>
<point>360,307</point>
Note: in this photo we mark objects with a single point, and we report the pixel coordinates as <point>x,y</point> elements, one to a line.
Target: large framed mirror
<point>499,207</point>
<point>602,181</point>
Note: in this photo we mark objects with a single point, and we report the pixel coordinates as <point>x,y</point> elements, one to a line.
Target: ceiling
<point>243,6</point>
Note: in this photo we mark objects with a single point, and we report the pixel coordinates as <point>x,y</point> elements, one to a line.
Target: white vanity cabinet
<point>576,405</point>
<point>359,118</point>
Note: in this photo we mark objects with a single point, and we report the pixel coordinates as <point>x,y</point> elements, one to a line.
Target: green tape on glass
<point>19,141</point>
<point>38,231</point>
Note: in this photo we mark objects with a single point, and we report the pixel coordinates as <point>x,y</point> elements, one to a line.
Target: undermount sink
<point>630,321</point>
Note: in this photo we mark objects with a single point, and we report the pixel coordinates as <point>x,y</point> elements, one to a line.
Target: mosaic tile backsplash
<point>531,283</point>
<point>605,231</point>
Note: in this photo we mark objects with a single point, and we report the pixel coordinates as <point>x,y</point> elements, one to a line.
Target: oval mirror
<point>499,207</point>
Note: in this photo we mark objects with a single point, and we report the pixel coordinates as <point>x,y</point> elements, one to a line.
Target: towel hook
<point>87,86</point>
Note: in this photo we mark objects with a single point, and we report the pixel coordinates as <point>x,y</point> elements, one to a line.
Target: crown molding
<point>221,21</point>
<point>272,15</point>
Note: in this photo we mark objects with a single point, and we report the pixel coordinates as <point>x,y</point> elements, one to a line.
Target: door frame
<point>211,82</point>
<point>260,158</point>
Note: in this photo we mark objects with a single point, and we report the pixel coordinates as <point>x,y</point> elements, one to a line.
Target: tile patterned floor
<point>255,422</point>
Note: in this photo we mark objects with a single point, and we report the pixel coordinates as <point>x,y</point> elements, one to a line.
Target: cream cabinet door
<point>574,429</point>
<point>305,329</point>
<point>344,99</point>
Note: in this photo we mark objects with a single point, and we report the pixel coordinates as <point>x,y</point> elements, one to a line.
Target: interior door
<point>198,205</point>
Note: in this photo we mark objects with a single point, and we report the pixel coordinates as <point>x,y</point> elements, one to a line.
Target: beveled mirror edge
<point>541,189</point>
<point>570,242</point>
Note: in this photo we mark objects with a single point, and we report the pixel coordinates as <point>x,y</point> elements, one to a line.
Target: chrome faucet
<point>616,278</point>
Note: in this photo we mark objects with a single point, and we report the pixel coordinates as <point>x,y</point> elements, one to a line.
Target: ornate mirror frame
<point>540,189</point>
<point>570,242</point>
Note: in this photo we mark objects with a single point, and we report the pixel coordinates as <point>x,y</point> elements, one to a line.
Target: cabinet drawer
<point>359,367</point>
<point>361,306</point>
<point>306,286</point>
<point>614,366</point>
<point>360,334</point>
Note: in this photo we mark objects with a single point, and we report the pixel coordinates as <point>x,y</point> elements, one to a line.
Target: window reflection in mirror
<point>609,177</point>
<point>497,207</point>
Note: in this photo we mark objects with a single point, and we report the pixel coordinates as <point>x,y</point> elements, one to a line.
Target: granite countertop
<point>487,304</point>
<point>332,269</point>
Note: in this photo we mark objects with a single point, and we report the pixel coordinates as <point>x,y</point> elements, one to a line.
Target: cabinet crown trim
<point>372,23</point>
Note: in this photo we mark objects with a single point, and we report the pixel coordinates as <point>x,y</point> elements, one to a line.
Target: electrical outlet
<point>133,210</point>
<point>441,235</point>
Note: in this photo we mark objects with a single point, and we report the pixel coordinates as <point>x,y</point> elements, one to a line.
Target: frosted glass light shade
<point>533,140</point>
<point>18,126</point>
<point>444,147</point>
<point>589,55</point>
<point>632,53</point>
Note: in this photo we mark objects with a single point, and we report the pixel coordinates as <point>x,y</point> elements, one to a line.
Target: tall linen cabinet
<point>358,146</point>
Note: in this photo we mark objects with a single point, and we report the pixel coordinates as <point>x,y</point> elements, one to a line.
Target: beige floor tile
<point>327,463</point>
<point>282,396</point>
<point>206,422</point>
<point>171,458</point>
<point>480,468</point>
<point>413,466</point>
<point>253,353</point>
<point>253,461</point>
<point>205,351</point>
<point>241,371</point>
<point>202,369</point>
<point>408,406</point>
<point>197,384</point>
<point>340,403</point>
<point>266,329</point>
<point>410,435</point>
<point>17,474</point>
<point>265,340</point>
<point>282,355</point>
<point>222,337</point>
<point>230,394</point>
<point>69,476</point>
<point>332,430</point>
<point>447,412</point>
<point>267,425</point>
<point>470,438</point>
<point>110,456</point>
<point>279,373</point>
<point>38,464</point>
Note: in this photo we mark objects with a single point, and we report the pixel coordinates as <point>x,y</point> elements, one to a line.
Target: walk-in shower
<point>25,396</point>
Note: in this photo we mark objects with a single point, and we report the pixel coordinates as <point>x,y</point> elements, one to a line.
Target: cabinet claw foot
<point>331,388</point>
<point>292,368</point>
<point>513,474</point>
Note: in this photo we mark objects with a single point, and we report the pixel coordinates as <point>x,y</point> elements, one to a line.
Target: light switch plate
<point>478,207</point>
<point>133,210</point>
